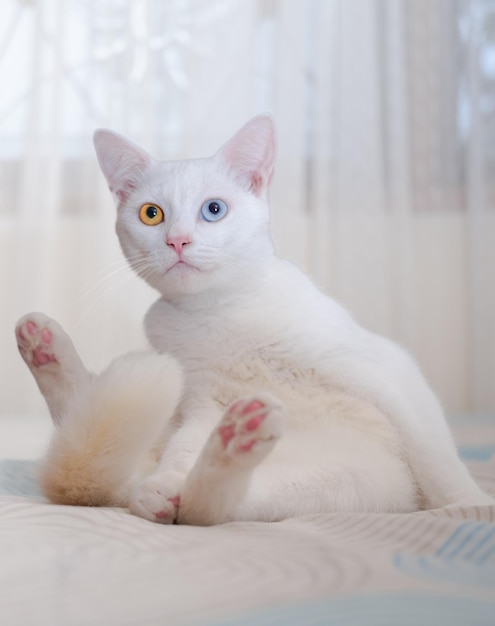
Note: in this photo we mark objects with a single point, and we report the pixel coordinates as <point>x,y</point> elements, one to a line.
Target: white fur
<point>362,430</point>
<point>108,430</point>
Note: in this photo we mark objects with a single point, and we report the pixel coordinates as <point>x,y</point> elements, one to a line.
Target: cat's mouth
<point>182,265</point>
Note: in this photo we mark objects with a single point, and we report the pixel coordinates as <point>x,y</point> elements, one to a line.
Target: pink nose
<point>178,242</point>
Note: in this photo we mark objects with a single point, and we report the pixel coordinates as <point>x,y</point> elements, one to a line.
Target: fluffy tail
<point>109,430</point>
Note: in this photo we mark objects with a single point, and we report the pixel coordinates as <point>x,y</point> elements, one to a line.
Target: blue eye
<point>214,210</point>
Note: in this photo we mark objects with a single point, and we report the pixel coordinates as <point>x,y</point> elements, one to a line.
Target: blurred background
<point>385,184</point>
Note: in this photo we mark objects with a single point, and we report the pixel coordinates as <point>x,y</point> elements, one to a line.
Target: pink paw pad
<point>227,432</point>
<point>42,358</point>
<point>254,422</point>
<point>248,431</point>
<point>46,336</point>
<point>253,406</point>
<point>36,341</point>
<point>175,501</point>
<point>240,420</point>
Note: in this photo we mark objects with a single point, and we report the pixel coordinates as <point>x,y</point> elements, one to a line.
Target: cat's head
<point>195,225</point>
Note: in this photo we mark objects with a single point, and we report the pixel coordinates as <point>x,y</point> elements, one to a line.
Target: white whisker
<point>113,281</point>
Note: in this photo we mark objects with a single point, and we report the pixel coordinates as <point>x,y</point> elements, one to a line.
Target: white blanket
<point>68,566</point>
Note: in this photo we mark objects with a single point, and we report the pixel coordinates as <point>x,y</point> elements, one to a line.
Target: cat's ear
<point>250,154</point>
<point>121,161</point>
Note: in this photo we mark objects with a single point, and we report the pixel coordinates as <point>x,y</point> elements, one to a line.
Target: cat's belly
<point>228,379</point>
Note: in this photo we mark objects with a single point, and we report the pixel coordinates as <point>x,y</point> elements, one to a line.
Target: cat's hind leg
<point>105,441</point>
<point>221,476</point>
<point>52,359</point>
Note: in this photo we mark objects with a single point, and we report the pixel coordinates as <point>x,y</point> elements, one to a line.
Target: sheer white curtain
<point>384,189</point>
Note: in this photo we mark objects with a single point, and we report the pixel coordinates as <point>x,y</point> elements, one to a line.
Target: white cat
<point>264,398</point>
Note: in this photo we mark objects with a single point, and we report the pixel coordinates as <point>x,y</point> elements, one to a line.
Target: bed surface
<point>78,566</point>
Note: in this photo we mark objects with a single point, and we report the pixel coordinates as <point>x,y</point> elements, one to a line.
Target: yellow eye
<point>151,214</point>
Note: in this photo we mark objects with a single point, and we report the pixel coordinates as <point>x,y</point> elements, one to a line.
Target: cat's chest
<point>263,339</point>
<point>246,349</point>
<point>198,339</point>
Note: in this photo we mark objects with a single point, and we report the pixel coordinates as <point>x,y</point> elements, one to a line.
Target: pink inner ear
<point>250,154</point>
<point>257,183</point>
<point>124,191</point>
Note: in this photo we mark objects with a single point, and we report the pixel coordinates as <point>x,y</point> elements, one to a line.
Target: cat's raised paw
<point>35,339</point>
<point>250,428</point>
<point>50,355</point>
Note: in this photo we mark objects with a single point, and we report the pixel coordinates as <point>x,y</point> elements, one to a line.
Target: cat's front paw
<point>249,430</point>
<point>157,498</point>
